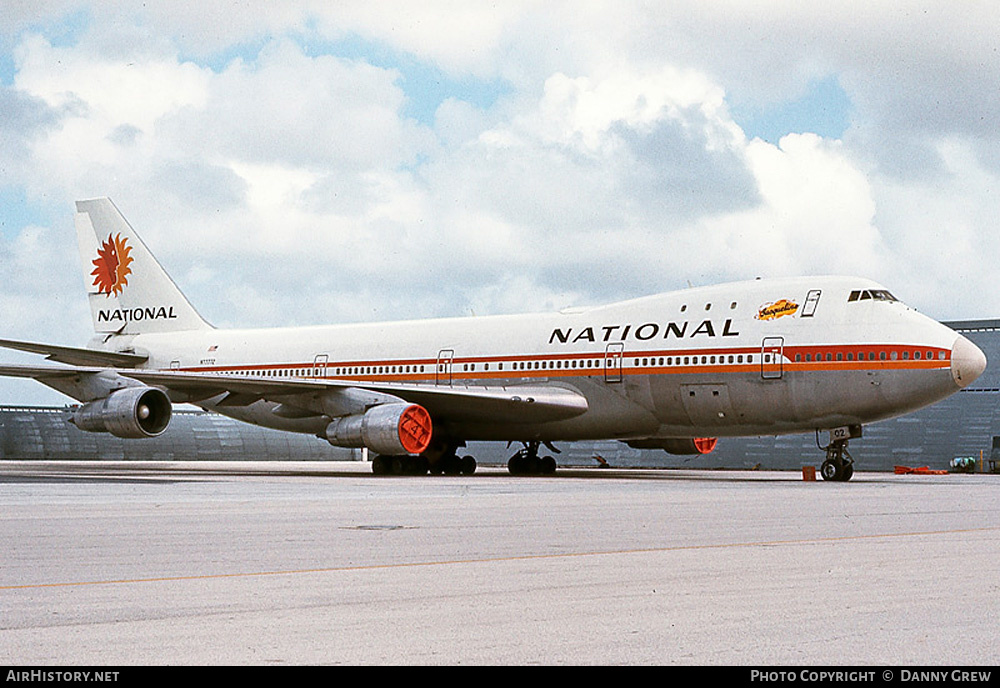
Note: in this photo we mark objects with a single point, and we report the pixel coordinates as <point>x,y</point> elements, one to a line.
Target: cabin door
<point>771,357</point>
<point>613,356</point>
<point>319,365</point>
<point>442,374</point>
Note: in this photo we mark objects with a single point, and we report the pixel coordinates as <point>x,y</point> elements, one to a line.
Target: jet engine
<point>389,429</point>
<point>132,412</point>
<point>678,445</point>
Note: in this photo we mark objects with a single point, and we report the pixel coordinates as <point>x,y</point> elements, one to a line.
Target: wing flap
<point>516,404</point>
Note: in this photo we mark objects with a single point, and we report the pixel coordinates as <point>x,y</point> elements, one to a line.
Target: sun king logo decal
<point>112,265</point>
<point>778,309</point>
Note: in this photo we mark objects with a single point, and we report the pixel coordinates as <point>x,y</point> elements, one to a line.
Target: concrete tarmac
<point>307,563</point>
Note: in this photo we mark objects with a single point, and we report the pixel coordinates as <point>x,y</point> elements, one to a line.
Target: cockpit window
<point>876,294</point>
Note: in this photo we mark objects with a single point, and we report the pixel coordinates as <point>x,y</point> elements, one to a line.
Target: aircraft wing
<point>513,404</point>
<point>77,356</point>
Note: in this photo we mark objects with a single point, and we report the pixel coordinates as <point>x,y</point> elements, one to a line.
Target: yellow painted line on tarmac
<point>487,560</point>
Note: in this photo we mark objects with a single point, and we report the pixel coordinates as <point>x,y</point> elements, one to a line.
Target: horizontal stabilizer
<point>42,373</point>
<point>77,355</point>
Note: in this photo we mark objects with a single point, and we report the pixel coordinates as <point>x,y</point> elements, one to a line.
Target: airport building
<point>967,424</point>
<point>28,433</point>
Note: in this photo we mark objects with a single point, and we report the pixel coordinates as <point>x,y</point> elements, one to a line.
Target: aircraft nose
<point>967,362</point>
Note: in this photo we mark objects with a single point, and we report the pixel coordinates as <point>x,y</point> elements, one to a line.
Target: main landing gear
<point>839,464</point>
<point>435,463</point>
<point>400,465</point>
<point>442,459</point>
<point>450,464</point>
<point>526,461</point>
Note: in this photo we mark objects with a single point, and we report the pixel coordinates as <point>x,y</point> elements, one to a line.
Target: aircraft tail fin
<point>129,291</point>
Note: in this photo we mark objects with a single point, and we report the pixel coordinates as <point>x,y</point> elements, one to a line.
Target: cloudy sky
<point>314,162</point>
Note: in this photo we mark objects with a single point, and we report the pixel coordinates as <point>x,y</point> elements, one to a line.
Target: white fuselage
<point>761,357</point>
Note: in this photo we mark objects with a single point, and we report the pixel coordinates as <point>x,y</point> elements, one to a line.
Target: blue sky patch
<point>17,212</point>
<point>824,109</point>
<point>425,85</point>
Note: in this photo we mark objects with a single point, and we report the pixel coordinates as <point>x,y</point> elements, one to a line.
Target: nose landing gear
<point>839,464</point>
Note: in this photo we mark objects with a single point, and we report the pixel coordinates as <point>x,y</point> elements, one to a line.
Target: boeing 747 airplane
<point>673,371</point>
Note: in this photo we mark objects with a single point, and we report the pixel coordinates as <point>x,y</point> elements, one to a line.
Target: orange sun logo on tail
<point>112,265</point>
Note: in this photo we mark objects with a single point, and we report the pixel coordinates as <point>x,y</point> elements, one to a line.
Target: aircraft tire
<point>468,465</point>
<point>398,465</point>
<point>419,465</point>
<point>831,471</point>
<point>515,466</point>
<point>548,466</point>
<point>451,465</point>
